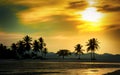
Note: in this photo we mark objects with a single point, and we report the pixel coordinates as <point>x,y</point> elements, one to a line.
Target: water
<point>57,68</point>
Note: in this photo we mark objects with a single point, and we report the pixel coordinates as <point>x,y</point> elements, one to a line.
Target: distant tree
<point>42,45</point>
<point>27,42</point>
<point>35,48</point>
<point>92,46</point>
<point>63,53</point>
<point>21,49</point>
<point>14,50</point>
<point>27,39</point>
<point>78,50</point>
<point>45,51</point>
<point>2,50</point>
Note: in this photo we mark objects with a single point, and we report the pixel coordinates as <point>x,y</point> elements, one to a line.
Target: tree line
<point>25,49</point>
<point>92,46</point>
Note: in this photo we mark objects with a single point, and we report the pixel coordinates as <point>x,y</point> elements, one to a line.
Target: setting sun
<point>91,14</point>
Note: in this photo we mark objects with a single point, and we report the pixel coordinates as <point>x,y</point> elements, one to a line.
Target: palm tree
<point>92,46</point>
<point>21,48</point>
<point>14,49</point>
<point>27,41</point>
<point>45,52</point>
<point>78,50</point>
<point>35,48</point>
<point>2,51</point>
<point>42,45</point>
<point>63,53</point>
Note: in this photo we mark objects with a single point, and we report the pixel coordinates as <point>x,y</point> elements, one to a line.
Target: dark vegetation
<point>26,49</point>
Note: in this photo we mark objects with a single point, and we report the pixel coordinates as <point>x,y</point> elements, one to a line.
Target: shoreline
<point>58,60</point>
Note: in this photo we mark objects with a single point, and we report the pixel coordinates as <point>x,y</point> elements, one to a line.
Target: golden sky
<point>62,23</point>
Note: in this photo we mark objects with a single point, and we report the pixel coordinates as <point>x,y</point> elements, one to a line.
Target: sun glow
<point>91,15</point>
<point>92,19</point>
<point>91,2</point>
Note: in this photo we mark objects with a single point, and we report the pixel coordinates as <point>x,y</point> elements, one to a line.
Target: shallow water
<point>90,71</point>
<point>57,68</point>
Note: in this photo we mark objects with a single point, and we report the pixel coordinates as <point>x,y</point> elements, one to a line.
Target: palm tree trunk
<point>94,55</point>
<point>91,56</point>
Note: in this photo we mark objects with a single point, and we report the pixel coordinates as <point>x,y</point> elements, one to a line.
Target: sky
<point>62,23</point>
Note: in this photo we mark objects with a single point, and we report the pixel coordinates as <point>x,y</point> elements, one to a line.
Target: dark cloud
<point>34,3</point>
<point>9,21</point>
<point>77,5</point>
<point>8,18</point>
<point>112,27</point>
<point>109,8</point>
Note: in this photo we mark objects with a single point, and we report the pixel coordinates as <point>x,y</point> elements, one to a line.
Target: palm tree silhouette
<point>78,50</point>
<point>35,49</point>
<point>21,48</point>
<point>14,49</point>
<point>45,52</point>
<point>42,45</point>
<point>2,50</point>
<point>63,53</point>
<point>28,43</point>
<point>36,45</point>
<point>92,46</point>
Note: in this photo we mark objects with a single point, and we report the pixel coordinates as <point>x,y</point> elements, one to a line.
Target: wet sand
<point>38,67</point>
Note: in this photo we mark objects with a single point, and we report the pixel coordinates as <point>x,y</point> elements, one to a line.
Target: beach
<point>41,67</point>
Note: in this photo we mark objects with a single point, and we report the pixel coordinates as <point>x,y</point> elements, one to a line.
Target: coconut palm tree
<point>63,53</point>
<point>2,51</point>
<point>42,45</point>
<point>78,50</point>
<point>21,48</point>
<point>28,43</point>
<point>45,52</point>
<point>14,49</point>
<point>35,48</point>
<point>92,46</point>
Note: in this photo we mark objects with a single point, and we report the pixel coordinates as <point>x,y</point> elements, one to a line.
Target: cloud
<point>36,15</point>
<point>109,8</point>
<point>8,18</point>
<point>60,24</point>
<point>112,27</point>
<point>108,5</point>
<point>8,38</point>
<point>79,5</point>
<point>113,31</point>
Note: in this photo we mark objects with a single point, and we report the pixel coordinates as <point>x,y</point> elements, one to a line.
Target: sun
<point>92,19</point>
<point>91,15</point>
